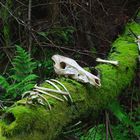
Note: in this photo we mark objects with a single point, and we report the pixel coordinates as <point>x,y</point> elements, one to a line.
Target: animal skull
<point>70,68</point>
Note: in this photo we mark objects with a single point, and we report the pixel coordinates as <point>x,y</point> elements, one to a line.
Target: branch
<point>29,26</point>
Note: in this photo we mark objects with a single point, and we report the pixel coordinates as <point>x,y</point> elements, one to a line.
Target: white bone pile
<point>70,68</point>
<point>36,96</point>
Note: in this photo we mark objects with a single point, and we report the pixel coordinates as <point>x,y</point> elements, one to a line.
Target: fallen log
<point>24,122</point>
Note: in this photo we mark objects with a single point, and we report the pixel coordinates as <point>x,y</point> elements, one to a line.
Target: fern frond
<point>17,89</point>
<point>28,87</point>
<point>30,77</point>
<point>3,82</point>
<point>22,74</point>
<point>23,65</point>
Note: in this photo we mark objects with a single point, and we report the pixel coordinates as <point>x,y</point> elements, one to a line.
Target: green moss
<point>25,119</point>
<point>36,122</point>
<point>2,137</point>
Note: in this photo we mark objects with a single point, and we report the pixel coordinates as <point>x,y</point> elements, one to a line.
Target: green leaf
<point>120,114</point>
<point>3,82</point>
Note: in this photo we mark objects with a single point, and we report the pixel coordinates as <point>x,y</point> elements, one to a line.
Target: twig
<point>106,124</point>
<point>108,127</point>
<point>130,30</point>
<point>21,3</point>
<point>102,7</point>
<point>29,26</point>
<point>17,19</point>
<point>67,49</point>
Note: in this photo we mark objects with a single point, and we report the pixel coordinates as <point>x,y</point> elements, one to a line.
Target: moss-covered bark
<point>37,123</point>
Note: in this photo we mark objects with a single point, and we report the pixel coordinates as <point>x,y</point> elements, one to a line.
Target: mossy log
<point>36,123</point>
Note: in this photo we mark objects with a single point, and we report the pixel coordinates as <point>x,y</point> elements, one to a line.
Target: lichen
<point>38,123</point>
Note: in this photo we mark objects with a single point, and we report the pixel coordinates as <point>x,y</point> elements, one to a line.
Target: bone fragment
<point>46,93</point>
<point>46,101</point>
<point>55,86</point>
<point>50,90</point>
<point>63,88</point>
<point>116,63</point>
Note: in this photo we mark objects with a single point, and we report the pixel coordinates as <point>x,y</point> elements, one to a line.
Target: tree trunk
<point>37,123</point>
<point>53,11</point>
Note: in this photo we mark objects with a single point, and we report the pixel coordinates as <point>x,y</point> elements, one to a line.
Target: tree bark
<point>37,123</point>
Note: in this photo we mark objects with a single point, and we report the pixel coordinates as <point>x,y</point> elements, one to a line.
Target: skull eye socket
<point>62,65</point>
<point>97,81</point>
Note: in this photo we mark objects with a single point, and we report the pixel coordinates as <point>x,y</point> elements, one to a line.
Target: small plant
<point>99,133</point>
<point>59,35</point>
<point>44,63</point>
<point>22,78</point>
<point>4,15</point>
<point>125,129</point>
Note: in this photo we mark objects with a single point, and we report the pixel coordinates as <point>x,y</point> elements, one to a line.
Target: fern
<point>23,65</point>
<point>99,133</point>
<point>26,84</point>
<point>3,82</point>
<point>22,75</point>
<point>125,130</point>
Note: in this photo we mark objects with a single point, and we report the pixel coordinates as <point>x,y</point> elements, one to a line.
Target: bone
<point>46,93</point>
<point>33,94</point>
<point>46,101</point>
<point>55,86</point>
<point>27,93</point>
<point>51,90</point>
<point>116,63</point>
<point>70,68</point>
<point>63,88</point>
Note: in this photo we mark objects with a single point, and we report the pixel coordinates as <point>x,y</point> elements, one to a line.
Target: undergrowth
<point>22,77</point>
<point>122,121</point>
<point>59,35</point>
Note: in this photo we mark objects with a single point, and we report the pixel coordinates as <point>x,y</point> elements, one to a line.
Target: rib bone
<point>46,93</point>
<point>55,86</point>
<point>63,88</point>
<point>50,90</point>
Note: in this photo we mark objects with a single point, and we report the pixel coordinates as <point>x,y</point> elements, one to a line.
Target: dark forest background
<point>80,29</point>
<point>74,28</point>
